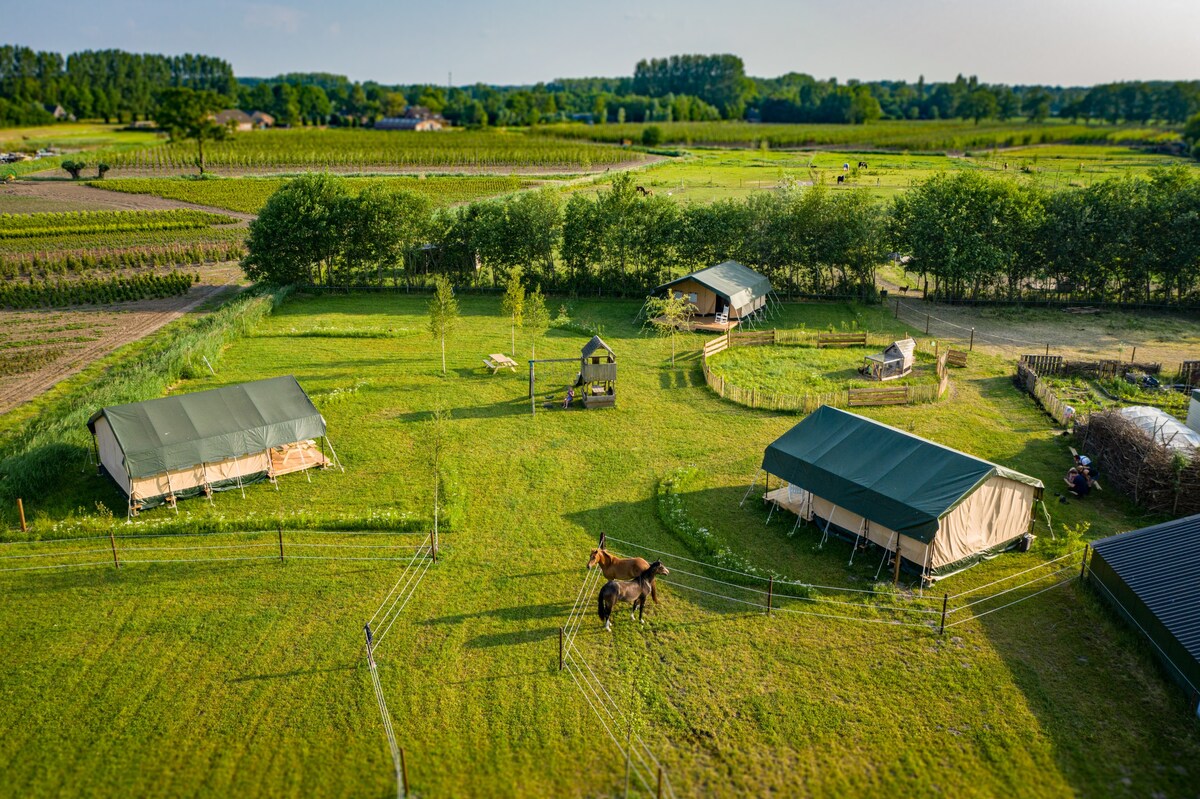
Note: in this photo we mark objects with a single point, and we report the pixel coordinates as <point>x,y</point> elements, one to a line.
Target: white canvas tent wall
<point>728,286</point>
<point>941,509</point>
<point>191,444</point>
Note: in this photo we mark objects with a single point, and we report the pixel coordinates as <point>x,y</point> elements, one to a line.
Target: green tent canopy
<point>162,435</point>
<point>908,488</point>
<point>194,444</point>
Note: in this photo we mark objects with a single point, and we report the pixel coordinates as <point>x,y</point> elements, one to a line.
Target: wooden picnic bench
<point>498,360</point>
<point>841,340</point>
<point>956,358</point>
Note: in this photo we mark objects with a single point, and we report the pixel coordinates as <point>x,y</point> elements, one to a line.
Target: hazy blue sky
<point>1067,42</point>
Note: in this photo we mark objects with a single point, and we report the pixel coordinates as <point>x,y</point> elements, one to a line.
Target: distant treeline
<point>114,85</point>
<point>98,84</point>
<point>966,235</point>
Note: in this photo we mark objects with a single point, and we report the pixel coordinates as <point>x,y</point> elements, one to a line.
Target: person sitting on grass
<point>1078,482</point>
<point>569,398</point>
<point>1087,466</point>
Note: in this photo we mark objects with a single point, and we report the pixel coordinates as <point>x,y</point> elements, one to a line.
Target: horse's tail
<point>604,609</point>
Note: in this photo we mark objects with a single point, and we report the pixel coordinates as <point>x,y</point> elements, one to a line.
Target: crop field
<point>97,142</point>
<point>92,223</point>
<point>356,150</point>
<point>248,195</point>
<point>923,135</point>
<point>705,175</point>
<point>219,679</point>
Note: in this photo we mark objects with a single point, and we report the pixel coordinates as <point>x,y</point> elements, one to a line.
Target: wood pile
<point>1131,461</point>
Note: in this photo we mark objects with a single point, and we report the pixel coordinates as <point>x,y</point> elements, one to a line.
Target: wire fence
<point>376,630</point>
<point>643,771</point>
<point>121,550</point>
<point>923,611</point>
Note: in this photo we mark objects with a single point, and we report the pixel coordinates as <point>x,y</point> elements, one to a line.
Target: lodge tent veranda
<point>189,445</point>
<point>942,510</point>
<point>725,294</point>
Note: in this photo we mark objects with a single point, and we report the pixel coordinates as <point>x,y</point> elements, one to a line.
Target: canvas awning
<point>176,432</point>
<point>739,285</point>
<point>891,477</point>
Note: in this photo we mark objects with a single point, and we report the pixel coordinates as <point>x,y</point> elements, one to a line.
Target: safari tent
<point>189,445</point>
<point>724,295</point>
<point>895,361</point>
<point>940,509</point>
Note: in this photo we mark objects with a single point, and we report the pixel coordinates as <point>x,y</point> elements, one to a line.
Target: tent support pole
<point>884,558</point>
<point>304,463</point>
<point>171,493</point>
<point>208,490</point>
<point>753,483</point>
<point>271,469</point>
<point>239,480</point>
<point>1046,513</point>
<point>771,512</point>
<point>828,522</point>
<point>861,529</point>
<point>337,461</point>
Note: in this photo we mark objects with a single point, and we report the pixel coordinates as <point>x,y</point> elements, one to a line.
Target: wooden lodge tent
<point>941,509</point>
<point>896,361</point>
<point>728,292</point>
<point>1150,576</point>
<point>188,445</point>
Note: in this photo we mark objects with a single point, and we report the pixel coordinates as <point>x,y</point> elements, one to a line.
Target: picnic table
<point>498,360</point>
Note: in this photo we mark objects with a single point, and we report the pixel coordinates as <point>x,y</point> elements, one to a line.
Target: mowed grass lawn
<point>232,679</point>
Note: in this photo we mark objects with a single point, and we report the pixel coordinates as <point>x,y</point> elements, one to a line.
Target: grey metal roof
<point>1161,564</point>
<point>738,284</point>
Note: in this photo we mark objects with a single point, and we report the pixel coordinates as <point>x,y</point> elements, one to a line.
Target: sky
<point>1053,42</point>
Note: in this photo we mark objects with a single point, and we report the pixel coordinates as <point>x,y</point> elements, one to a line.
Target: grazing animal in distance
<point>841,178</point>
<point>862,165</point>
<point>634,592</point>
<point>904,289</point>
<point>615,568</point>
<point>642,190</point>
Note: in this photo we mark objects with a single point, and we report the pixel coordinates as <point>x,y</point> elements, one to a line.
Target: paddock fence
<point>921,610</point>
<point>644,773</point>
<point>280,544</point>
<point>808,402</point>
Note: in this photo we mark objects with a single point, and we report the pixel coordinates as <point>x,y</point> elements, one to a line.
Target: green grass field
<point>705,175</point>
<point>222,679</point>
<point>792,369</point>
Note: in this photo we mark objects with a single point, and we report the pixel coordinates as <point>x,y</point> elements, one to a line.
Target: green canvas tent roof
<point>176,432</point>
<point>739,285</point>
<point>891,477</point>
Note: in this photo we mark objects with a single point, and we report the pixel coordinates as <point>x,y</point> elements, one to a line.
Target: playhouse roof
<point>595,344</point>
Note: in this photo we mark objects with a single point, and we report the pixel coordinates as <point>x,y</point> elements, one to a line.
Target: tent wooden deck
<point>705,324</point>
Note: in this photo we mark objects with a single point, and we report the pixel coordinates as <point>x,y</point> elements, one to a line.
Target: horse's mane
<point>648,574</point>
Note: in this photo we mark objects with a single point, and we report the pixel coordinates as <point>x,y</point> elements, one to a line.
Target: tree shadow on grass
<point>511,407</point>
<point>548,610</point>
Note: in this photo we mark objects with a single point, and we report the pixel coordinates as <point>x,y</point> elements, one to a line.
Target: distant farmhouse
<point>416,117</point>
<point>239,120</point>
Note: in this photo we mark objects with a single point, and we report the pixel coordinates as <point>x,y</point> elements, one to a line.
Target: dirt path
<point>109,327</point>
<point>35,196</point>
<point>1157,336</point>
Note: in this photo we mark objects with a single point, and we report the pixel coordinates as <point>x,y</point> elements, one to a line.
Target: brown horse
<point>615,591</point>
<point>615,568</point>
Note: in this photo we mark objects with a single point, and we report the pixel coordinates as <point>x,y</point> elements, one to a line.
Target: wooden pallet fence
<point>841,340</point>
<point>956,358</point>
<point>860,397</point>
<point>751,338</point>
<point>1029,380</point>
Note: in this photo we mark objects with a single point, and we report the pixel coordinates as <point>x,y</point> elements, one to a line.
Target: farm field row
<point>248,195</point>
<point>733,703</point>
<point>921,135</point>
